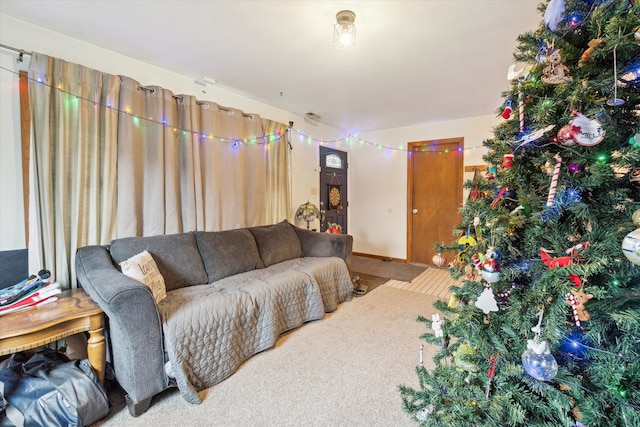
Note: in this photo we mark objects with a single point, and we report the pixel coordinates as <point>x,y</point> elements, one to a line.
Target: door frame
<point>410,149</point>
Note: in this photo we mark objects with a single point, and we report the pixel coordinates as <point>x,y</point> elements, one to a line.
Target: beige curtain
<point>73,173</point>
<point>278,174</point>
<point>113,158</point>
<point>185,164</point>
<point>142,173</point>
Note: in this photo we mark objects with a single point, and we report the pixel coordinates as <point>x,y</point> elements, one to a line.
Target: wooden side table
<point>73,313</point>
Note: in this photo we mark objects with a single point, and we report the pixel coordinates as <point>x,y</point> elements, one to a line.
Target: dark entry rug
<point>365,283</point>
<point>372,272</point>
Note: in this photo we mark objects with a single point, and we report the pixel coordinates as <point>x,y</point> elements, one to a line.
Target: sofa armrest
<point>325,244</point>
<point>135,331</point>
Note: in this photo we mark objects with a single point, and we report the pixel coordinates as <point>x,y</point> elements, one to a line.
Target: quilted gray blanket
<point>209,330</point>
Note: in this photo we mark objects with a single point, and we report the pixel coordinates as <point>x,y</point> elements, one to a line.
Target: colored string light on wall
<point>138,120</point>
<point>348,141</point>
<point>354,140</point>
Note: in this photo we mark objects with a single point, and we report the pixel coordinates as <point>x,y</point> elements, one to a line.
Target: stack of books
<point>34,291</point>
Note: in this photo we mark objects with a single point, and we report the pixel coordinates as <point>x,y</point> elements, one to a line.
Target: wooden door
<point>333,187</point>
<point>434,196</point>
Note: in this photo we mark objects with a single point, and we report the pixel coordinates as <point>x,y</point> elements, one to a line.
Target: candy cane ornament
<point>554,180</point>
<point>521,74</point>
<point>573,250</point>
<point>521,106</point>
<point>574,304</point>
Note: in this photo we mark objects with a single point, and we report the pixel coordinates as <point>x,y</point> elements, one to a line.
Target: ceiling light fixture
<point>344,31</point>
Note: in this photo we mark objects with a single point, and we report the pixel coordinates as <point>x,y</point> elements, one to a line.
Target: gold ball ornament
<point>636,218</point>
<point>636,35</point>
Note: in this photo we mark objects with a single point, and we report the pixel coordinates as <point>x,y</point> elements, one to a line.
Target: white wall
<point>22,35</point>
<point>377,177</point>
<point>379,180</point>
<point>11,206</point>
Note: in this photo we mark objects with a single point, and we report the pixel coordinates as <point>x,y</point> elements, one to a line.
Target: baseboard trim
<point>380,257</point>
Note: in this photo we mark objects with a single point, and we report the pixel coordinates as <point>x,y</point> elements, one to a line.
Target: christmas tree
<point>544,329</point>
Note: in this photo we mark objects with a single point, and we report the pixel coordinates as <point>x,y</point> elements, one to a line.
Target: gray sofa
<point>230,294</point>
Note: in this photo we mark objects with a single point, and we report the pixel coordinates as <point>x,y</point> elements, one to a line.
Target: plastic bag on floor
<point>49,390</point>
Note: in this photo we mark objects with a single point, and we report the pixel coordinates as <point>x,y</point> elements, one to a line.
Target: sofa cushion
<point>176,255</point>
<point>277,243</point>
<point>226,253</point>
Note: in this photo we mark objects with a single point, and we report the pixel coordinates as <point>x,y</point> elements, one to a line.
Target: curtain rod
<point>24,52</point>
<point>20,51</point>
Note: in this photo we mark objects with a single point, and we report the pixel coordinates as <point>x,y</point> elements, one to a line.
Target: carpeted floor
<point>372,272</point>
<point>343,370</point>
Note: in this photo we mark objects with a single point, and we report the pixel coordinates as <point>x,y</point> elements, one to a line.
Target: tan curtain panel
<point>233,162</point>
<point>278,178</point>
<point>142,172</point>
<point>73,174</point>
<point>113,158</point>
<point>185,164</point>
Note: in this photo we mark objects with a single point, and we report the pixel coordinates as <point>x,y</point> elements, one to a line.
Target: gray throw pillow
<point>226,253</point>
<point>176,255</point>
<point>277,243</point>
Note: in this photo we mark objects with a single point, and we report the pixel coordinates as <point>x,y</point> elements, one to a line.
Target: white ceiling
<point>415,61</point>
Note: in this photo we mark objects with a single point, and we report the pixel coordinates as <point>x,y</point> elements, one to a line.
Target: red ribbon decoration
<point>499,196</point>
<point>493,360</point>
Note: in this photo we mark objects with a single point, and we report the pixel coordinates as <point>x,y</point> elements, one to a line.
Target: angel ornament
<point>555,72</point>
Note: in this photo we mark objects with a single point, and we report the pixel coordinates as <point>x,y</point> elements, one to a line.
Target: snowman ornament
<point>490,268</point>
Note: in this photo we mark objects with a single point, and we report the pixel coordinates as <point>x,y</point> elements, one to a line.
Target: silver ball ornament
<point>542,367</point>
<point>631,246</point>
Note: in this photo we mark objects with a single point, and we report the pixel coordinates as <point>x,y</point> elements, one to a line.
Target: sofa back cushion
<point>226,253</point>
<point>277,243</point>
<point>176,256</point>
